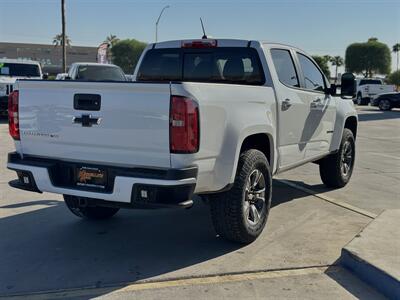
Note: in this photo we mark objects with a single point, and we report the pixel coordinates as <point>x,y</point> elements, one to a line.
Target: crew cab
<point>213,118</point>
<point>10,71</point>
<point>368,88</point>
<point>93,72</point>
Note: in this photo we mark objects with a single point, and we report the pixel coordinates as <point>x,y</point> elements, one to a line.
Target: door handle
<point>286,104</point>
<point>87,102</point>
<point>317,102</point>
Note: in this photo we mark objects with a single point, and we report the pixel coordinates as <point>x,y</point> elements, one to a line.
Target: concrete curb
<point>374,254</point>
<point>377,278</point>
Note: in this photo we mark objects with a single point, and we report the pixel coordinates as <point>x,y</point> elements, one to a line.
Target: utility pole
<point>158,20</point>
<point>64,49</point>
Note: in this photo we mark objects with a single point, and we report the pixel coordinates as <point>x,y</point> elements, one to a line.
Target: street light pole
<point>158,20</point>
<point>64,50</point>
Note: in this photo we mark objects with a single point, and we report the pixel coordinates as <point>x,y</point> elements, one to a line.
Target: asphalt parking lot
<point>46,252</point>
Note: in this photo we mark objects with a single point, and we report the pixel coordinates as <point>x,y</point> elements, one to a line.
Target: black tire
<point>384,104</point>
<point>89,212</point>
<point>332,169</point>
<point>361,101</point>
<point>232,212</point>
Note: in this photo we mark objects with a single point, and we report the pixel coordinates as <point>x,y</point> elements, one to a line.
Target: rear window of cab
<point>233,65</point>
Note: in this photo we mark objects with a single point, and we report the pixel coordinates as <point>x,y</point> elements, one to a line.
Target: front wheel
<point>88,212</point>
<point>336,169</point>
<point>240,214</point>
<point>384,104</point>
<point>361,100</point>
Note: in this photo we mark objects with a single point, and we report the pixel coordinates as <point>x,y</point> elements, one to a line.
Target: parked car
<point>95,72</point>
<point>61,76</point>
<point>10,71</point>
<point>367,88</point>
<point>130,77</point>
<point>216,118</point>
<point>386,101</point>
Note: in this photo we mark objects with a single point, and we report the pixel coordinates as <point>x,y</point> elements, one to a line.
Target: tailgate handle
<point>87,102</point>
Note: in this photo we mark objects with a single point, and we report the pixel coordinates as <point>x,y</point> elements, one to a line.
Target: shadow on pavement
<point>378,115</point>
<point>352,284</point>
<point>49,248</point>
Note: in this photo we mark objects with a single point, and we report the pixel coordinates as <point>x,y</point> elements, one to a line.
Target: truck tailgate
<point>132,127</point>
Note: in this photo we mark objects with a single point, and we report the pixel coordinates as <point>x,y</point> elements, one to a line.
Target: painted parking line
<point>329,199</point>
<point>184,282</point>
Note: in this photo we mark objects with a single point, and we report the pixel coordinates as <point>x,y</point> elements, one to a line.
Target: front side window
<point>284,66</point>
<point>222,65</point>
<point>313,78</point>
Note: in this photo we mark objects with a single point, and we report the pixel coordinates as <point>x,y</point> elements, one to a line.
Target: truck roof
<point>19,61</point>
<point>93,64</point>
<point>220,42</point>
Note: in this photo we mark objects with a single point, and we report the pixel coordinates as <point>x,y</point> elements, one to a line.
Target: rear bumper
<point>129,186</point>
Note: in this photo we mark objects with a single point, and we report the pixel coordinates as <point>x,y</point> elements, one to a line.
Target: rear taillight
<point>184,125</point>
<point>13,115</point>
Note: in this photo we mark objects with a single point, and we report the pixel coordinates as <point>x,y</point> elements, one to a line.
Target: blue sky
<point>318,26</point>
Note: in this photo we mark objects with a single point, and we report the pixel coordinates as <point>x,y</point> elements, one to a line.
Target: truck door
<point>293,108</point>
<point>319,124</point>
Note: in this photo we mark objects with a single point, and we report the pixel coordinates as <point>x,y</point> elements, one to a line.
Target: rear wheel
<point>384,104</point>
<point>77,207</point>
<point>240,214</point>
<point>336,169</point>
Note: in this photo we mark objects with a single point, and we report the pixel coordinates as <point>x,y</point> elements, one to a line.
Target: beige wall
<point>48,55</point>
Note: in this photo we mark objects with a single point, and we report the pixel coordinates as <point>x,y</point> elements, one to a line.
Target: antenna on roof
<point>204,32</point>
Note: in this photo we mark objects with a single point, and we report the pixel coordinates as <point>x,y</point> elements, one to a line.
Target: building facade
<point>49,56</point>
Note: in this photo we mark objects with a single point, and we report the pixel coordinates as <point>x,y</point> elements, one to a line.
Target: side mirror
<point>331,90</point>
<point>348,85</point>
<point>45,76</point>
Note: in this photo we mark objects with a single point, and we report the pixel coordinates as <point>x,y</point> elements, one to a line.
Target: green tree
<point>57,40</point>
<point>126,53</point>
<point>368,58</point>
<point>396,50</point>
<point>322,62</point>
<point>111,40</point>
<point>394,78</point>
<point>336,61</point>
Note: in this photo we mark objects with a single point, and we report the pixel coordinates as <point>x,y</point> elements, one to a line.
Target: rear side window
<point>223,65</point>
<point>313,78</point>
<point>284,66</point>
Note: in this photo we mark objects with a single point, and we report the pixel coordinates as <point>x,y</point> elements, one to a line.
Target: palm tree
<point>112,40</point>
<point>336,61</point>
<point>396,50</point>
<point>57,40</point>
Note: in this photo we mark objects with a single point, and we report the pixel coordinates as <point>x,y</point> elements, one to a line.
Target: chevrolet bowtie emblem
<point>86,120</point>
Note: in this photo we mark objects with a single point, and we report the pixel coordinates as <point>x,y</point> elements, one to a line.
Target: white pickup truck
<point>215,118</point>
<point>368,88</point>
<point>10,71</point>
